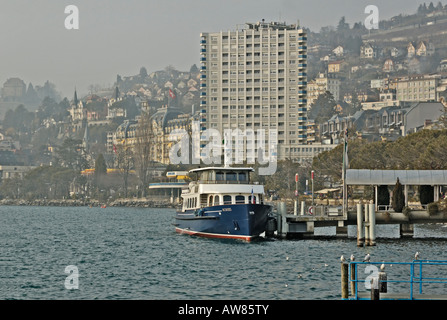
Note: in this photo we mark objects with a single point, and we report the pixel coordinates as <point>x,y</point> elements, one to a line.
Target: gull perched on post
<point>342,259</point>
<point>367,258</point>
<point>352,257</point>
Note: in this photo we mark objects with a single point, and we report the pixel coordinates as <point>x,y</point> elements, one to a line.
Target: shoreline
<point>136,203</point>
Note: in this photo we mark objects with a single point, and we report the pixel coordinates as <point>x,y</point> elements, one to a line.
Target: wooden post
<point>353,278</point>
<point>367,225</point>
<point>383,285</point>
<point>344,281</point>
<point>375,295</point>
<point>360,233</point>
<point>372,225</point>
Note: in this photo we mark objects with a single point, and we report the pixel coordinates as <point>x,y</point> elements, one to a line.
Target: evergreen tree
<point>398,202</point>
<point>100,171</point>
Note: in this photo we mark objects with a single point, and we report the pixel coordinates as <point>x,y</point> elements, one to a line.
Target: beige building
<point>417,87</point>
<point>320,85</point>
<point>255,77</point>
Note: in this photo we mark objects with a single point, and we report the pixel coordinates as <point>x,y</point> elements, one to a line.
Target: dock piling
<point>375,294</point>
<point>383,286</point>
<point>353,278</point>
<point>366,225</point>
<point>372,225</point>
<point>360,232</point>
<point>344,281</point>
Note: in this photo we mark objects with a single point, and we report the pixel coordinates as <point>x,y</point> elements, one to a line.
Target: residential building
<point>368,51</point>
<point>323,83</point>
<point>338,51</point>
<point>411,50</point>
<point>418,87</point>
<point>388,66</point>
<point>255,77</point>
<point>11,171</point>
<point>334,66</point>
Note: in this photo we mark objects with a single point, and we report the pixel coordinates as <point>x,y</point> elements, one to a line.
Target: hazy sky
<point>119,36</point>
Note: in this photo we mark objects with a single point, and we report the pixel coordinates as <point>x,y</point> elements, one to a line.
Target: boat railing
<point>423,278</point>
<point>226,182</point>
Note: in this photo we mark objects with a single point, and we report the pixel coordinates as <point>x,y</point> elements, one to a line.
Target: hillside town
<point>380,84</point>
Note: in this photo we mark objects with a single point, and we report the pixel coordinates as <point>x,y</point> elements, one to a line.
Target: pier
<point>414,280</point>
<point>304,218</point>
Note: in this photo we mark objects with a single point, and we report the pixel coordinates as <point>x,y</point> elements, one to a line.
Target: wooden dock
<point>365,216</point>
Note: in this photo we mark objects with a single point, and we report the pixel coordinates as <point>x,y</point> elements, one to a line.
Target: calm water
<point>129,253</point>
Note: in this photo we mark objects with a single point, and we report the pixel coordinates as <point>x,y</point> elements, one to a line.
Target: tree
<point>71,155</point>
<point>142,150</point>
<point>323,108</point>
<point>342,25</point>
<point>100,169</point>
<point>194,69</point>
<point>143,72</point>
<point>398,201</point>
<point>125,163</point>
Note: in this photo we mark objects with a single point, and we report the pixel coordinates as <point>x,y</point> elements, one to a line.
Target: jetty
<point>304,218</point>
<point>416,280</point>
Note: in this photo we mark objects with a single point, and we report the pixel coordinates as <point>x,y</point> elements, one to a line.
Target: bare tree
<point>142,150</point>
<point>125,163</point>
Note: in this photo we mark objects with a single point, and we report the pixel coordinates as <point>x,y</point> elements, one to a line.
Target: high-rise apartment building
<point>255,77</point>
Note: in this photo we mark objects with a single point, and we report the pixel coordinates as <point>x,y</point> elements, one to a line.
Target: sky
<point>120,37</point>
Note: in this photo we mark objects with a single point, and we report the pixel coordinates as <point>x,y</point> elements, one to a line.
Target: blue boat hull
<point>235,221</point>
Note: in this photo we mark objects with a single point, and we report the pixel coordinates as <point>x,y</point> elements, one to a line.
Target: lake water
<point>134,253</point>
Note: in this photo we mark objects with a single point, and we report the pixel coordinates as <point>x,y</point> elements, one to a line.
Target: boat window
<point>227,199</point>
<point>231,176</point>
<point>219,176</point>
<point>210,200</point>
<point>250,199</point>
<point>242,176</point>
<point>216,200</point>
<point>240,199</point>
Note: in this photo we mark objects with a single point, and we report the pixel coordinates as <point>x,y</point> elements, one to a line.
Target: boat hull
<point>235,221</point>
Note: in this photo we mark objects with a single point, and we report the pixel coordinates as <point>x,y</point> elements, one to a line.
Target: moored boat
<point>223,203</point>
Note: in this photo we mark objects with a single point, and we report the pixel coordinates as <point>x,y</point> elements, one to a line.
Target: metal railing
<point>416,270</point>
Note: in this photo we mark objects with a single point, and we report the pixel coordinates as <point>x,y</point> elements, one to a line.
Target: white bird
<point>326,265</point>
<point>367,258</point>
<point>382,267</point>
<point>342,259</point>
<point>416,256</point>
<point>287,258</point>
<point>352,257</point>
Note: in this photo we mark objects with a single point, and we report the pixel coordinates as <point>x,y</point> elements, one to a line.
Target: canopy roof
<point>389,177</point>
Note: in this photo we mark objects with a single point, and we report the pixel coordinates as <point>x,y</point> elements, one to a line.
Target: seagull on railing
<point>367,258</point>
<point>352,257</point>
<point>416,256</point>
